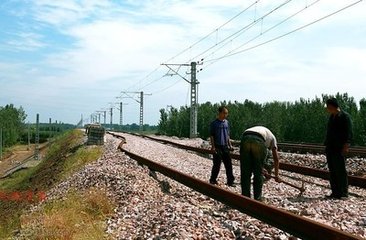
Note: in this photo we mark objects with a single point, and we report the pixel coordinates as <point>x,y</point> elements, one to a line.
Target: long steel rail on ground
<point>355,151</point>
<point>286,221</point>
<point>318,173</point>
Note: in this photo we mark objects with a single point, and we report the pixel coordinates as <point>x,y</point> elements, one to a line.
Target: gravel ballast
<point>150,206</point>
<point>345,215</point>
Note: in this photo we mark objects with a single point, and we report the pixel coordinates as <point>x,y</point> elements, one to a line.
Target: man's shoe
<point>331,196</point>
<point>343,197</point>
<point>214,182</point>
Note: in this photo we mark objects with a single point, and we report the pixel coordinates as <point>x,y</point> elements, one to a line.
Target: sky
<point>67,58</point>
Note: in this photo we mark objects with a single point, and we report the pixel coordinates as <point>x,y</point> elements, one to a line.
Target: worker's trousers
<point>338,174</point>
<point>253,153</point>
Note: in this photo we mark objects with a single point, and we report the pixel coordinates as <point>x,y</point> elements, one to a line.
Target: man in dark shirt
<point>338,140</point>
<point>221,145</point>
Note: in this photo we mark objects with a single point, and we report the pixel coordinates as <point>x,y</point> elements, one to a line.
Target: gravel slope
<point>158,208</point>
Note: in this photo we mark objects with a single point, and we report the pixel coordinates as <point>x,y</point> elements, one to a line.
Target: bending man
<point>253,152</point>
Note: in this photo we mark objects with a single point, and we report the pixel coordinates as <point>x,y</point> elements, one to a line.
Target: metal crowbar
<point>301,189</point>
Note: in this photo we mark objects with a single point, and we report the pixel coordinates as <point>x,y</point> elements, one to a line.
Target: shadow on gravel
<point>164,185</point>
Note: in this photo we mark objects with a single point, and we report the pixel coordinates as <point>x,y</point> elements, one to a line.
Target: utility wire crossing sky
<point>66,58</point>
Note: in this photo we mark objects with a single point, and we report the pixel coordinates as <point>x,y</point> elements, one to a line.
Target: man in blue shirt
<point>221,145</point>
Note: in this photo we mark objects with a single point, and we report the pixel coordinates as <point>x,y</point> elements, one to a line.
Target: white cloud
<point>25,41</point>
<point>115,45</point>
<point>109,49</point>
<point>60,13</point>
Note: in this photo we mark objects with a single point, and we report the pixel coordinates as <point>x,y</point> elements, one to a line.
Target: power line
<point>152,82</point>
<point>146,77</point>
<point>164,89</point>
<point>232,53</point>
<point>242,30</point>
<point>266,31</point>
<point>190,47</point>
<point>214,31</point>
<point>236,33</point>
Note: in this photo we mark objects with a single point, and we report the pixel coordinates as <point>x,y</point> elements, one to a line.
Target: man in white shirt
<point>253,152</point>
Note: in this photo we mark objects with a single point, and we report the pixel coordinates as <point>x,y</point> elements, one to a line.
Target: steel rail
<point>286,221</point>
<point>355,151</point>
<point>318,173</point>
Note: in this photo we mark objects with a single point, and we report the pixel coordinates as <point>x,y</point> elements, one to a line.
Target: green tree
<point>304,120</point>
<point>12,123</point>
<point>163,123</point>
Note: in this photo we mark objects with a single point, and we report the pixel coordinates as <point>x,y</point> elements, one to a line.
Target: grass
<point>82,157</point>
<point>65,156</point>
<point>80,216</point>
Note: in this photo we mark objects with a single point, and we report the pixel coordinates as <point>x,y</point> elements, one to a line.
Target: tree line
<point>46,131</point>
<point>11,123</point>
<point>14,129</point>
<point>304,120</point>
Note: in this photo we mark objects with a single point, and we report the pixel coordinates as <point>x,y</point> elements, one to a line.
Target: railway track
<point>313,148</point>
<point>322,174</point>
<point>298,226</point>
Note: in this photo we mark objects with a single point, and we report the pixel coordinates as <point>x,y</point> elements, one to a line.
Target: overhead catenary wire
<point>236,34</point>
<point>151,82</point>
<point>191,46</point>
<point>262,33</point>
<point>238,50</point>
<point>242,30</point>
<point>166,88</point>
<point>223,42</point>
<point>142,79</point>
<point>232,52</point>
<point>157,79</point>
<point>213,32</point>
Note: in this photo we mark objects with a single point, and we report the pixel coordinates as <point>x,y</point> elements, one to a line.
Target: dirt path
<point>18,155</point>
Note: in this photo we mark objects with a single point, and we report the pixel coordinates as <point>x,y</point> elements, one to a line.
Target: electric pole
<point>49,128</point>
<point>194,93</point>
<point>141,102</point>
<point>28,136</point>
<point>104,116</point>
<point>36,148</point>
<point>141,111</point>
<point>194,100</point>
<point>121,104</point>
<point>121,110</point>
<point>111,112</point>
